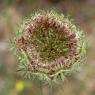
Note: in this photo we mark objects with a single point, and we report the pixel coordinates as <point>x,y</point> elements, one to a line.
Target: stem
<point>45,89</point>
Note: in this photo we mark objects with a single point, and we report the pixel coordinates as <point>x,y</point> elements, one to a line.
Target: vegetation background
<point>12,11</point>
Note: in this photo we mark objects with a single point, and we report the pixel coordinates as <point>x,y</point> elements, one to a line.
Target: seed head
<point>50,45</point>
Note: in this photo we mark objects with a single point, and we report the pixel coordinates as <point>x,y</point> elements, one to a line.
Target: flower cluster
<point>51,44</point>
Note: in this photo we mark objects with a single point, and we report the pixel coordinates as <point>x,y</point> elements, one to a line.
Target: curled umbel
<point>50,45</point>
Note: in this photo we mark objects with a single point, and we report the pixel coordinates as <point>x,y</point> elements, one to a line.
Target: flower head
<point>49,44</point>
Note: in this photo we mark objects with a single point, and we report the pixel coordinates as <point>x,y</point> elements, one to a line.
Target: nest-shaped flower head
<point>49,45</point>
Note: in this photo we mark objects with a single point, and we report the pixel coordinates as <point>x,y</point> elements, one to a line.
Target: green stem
<point>46,90</point>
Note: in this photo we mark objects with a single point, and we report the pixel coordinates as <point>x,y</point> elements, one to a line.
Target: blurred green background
<point>12,11</point>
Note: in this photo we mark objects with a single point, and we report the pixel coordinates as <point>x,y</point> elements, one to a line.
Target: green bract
<point>48,46</point>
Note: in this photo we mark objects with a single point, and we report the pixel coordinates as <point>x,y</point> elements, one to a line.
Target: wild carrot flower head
<point>48,45</point>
